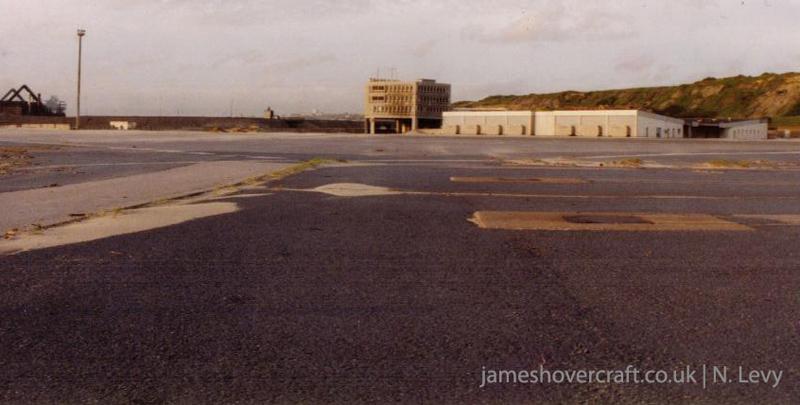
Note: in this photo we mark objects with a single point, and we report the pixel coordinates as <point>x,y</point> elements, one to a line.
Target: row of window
<point>407,99</point>
<point>398,99</point>
<point>674,132</point>
<point>433,89</point>
<point>435,108</point>
<point>391,109</point>
<point>745,132</point>
<point>434,100</point>
<point>399,109</point>
<point>400,88</point>
<point>391,89</point>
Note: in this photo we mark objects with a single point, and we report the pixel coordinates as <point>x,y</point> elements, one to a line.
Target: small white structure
<point>752,130</point>
<point>122,125</point>
<point>742,130</point>
<point>589,123</point>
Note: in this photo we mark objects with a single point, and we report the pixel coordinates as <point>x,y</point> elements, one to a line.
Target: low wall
<point>62,127</point>
<point>195,123</point>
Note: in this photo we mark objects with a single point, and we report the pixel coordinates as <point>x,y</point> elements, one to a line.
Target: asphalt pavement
<point>304,296</point>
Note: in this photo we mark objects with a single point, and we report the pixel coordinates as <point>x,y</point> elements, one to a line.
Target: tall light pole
<point>81,33</point>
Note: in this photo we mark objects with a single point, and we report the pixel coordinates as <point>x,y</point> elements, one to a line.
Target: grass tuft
<point>631,162</point>
<point>13,157</point>
<point>301,167</point>
<point>725,163</point>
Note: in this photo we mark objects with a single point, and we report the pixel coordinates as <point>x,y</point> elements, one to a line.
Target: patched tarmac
<point>602,221</point>
<point>394,297</point>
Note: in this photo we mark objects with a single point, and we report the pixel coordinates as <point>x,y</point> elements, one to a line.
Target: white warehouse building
<point>594,123</point>
<point>488,122</point>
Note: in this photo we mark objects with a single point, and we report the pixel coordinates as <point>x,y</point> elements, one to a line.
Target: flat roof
<point>496,113</point>
<point>725,123</point>
<point>591,112</point>
<point>396,81</point>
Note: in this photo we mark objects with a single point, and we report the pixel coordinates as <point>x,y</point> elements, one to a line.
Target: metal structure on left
<point>14,102</point>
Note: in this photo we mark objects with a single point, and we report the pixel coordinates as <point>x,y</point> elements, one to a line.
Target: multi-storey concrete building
<point>393,106</point>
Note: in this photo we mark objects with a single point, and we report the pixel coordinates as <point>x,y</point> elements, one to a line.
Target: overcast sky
<point>197,57</point>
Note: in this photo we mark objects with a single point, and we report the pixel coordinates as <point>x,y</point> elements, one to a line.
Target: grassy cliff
<point>768,95</point>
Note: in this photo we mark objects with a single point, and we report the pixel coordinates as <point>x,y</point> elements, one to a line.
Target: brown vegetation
<point>13,157</point>
<point>768,95</point>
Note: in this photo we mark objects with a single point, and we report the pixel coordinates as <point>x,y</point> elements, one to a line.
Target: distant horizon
<point>361,113</point>
<point>206,58</point>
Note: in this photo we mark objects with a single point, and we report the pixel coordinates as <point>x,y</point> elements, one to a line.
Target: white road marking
<point>332,189</point>
<point>426,160</point>
<point>691,154</point>
<point>782,219</point>
<point>146,149</point>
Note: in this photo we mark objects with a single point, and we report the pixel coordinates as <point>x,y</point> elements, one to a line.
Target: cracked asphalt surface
<point>306,297</point>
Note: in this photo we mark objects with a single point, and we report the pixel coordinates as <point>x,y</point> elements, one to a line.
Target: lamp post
<point>81,33</point>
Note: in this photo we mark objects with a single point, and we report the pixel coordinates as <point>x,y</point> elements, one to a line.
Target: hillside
<point>768,95</point>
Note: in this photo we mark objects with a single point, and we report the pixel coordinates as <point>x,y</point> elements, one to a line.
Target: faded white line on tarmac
<point>427,160</point>
<point>691,154</point>
<point>518,180</point>
<point>366,190</point>
<point>354,190</point>
<point>783,219</point>
<point>174,162</point>
<point>144,149</point>
<point>237,196</point>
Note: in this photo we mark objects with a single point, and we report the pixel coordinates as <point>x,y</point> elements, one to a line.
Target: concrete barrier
<point>193,123</point>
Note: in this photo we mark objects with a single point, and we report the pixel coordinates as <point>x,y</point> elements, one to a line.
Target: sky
<point>211,57</point>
